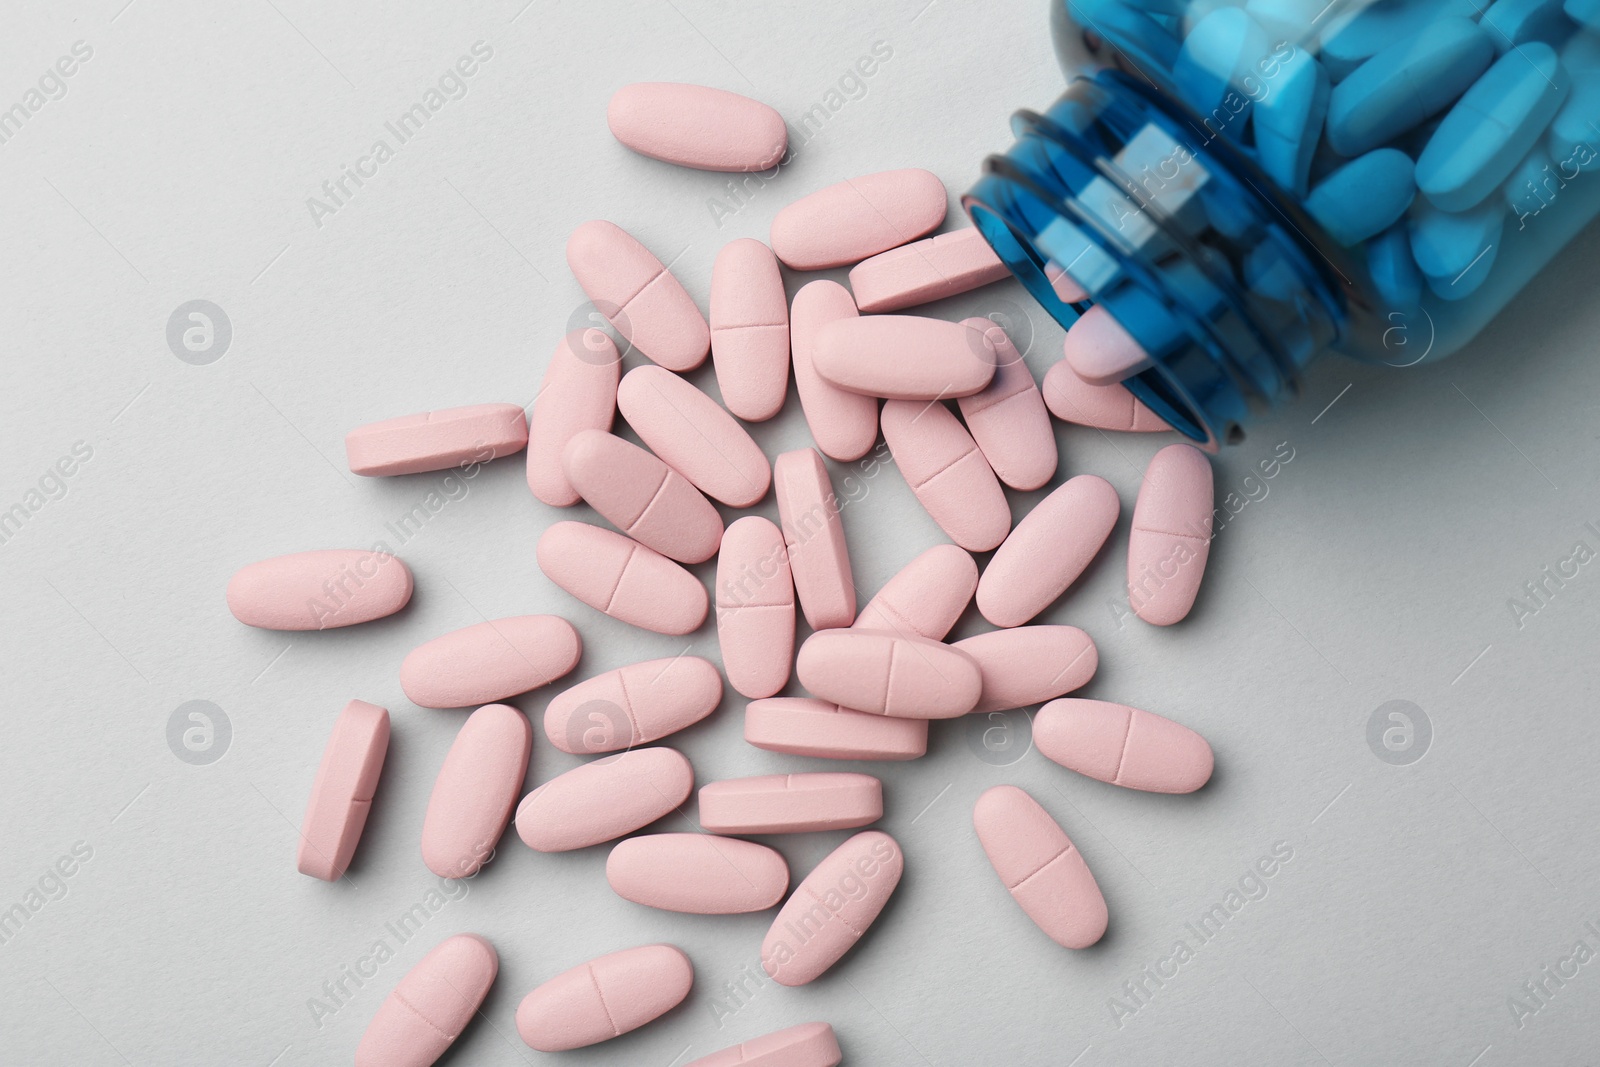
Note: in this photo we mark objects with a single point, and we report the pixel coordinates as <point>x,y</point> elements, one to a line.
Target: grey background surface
<point>1377,566</point>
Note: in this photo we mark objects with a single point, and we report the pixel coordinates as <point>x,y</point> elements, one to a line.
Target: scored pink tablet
<point>490,661</point>
<point>622,578</point>
<point>638,295</point>
<point>605,998</point>
<point>888,674</point>
<point>832,908</point>
<point>750,330</point>
<point>436,440</point>
<point>947,472</point>
<point>904,357</point>
<point>699,874</point>
<point>475,790</point>
<point>642,496</point>
<point>791,803</point>
<point>1124,746</point>
<point>843,424</point>
<point>1030,664</point>
<point>579,392</point>
<point>431,1005</point>
<point>605,799</point>
<point>633,705</point>
<point>857,218</point>
<point>1105,407</point>
<point>806,1045</point>
<point>819,559</point>
<point>1052,545</point>
<point>803,726</point>
<point>1008,420</point>
<point>695,436</point>
<point>1038,864</point>
<point>755,607</point>
<point>926,597</point>
<point>319,590</point>
<point>926,270</point>
<point>341,795</point>
<point>697,126</point>
<point>1171,537</point>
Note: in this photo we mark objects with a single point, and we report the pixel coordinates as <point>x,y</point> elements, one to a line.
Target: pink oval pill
<point>843,424</point>
<point>1100,351</point>
<point>1030,664</point>
<point>700,874</point>
<point>341,795</point>
<point>490,661</point>
<point>431,1005</point>
<point>642,496</point>
<point>604,998</point>
<point>790,803</point>
<point>947,472</point>
<point>750,329</point>
<point>1037,863</point>
<point>927,270</point>
<point>319,590</point>
<point>1171,536</point>
<point>857,218</point>
<point>579,393</point>
<point>695,436</point>
<point>926,597</point>
<point>832,908</point>
<point>633,705</point>
<point>755,607</point>
<point>638,296</point>
<point>802,726</point>
<point>476,788</point>
<point>697,126</point>
<point>435,440</point>
<point>886,674</point>
<point>1067,290</point>
<point>904,357</point>
<point>1008,420</point>
<point>621,577</point>
<point>603,800</point>
<point>1049,549</point>
<point>1105,407</point>
<point>1123,746</point>
<point>818,557</point>
<point>806,1045</point>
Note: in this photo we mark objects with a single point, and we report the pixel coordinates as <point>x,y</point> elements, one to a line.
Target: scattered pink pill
<point>475,791</point>
<point>1100,351</point>
<point>1106,407</point>
<point>843,424</point>
<point>926,597</point>
<point>622,578</point>
<point>341,795</point>
<point>1171,537</point>
<point>436,440</point>
<point>697,126</point>
<point>605,799</point>
<point>927,270</point>
<point>818,557</point>
<point>642,496</point>
<point>579,392</point>
<point>490,661</point>
<point>884,673</point>
<point>699,874</point>
<point>604,998</point>
<point>791,803</point>
<point>1008,420</point>
<point>1049,549</point>
<point>633,705</point>
<point>431,1005</point>
<point>750,329</point>
<point>904,357</point>
<point>806,1045</point>
<point>1039,866</point>
<point>857,218</point>
<point>1030,664</point>
<point>755,607</point>
<point>1123,746</point>
<point>1067,290</point>
<point>947,472</point>
<point>638,296</point>
<point>695,436</point>
<point>832,908</point>
<point>319,590</point>
<point>801,726</point>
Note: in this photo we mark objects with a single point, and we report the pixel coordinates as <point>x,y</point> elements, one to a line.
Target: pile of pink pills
<point>963,418</point>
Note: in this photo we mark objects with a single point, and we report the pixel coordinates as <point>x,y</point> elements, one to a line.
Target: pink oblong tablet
<point>926,597</point>
<point>1037,863</point>
<point>755,607</point>
<point>884,673</point>
<point>832,908</point>
<point>475,790</point>
<point>621,577</point>
<point>818,557</point>
<point>1008,420</point>
<point>341,795</point>
<point>490,661</point>
<point>605,998</point>
<point>904,357</point>
<point>1048,550</point>
<point>319,590</point>
<point>802,726</point>
<point>435,440</point>
<point>857,218</point>
<point>806,1045</point>
<point>638,296</point>
<point>926,270</point>
<point>633,705</point>
<point>1067,290</point>
<point>642,496</point>
<point>697,126</point>
<point>1105,407</point>
<point>431,1005</point>
<point>603,800</point>
<point>1171,537</point>
<point>579,393</point>
<point>700,874</point>
<point>695,436</point>
<point>1123,746</point>
<point>843,424</point>
<point>791,803</point>
<point>947,472</point>
<point>1100,351</point>
<point>750,329</point>
<point>1030,664</point>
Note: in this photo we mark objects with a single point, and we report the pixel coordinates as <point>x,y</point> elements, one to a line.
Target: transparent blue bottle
<point>1245,185</point>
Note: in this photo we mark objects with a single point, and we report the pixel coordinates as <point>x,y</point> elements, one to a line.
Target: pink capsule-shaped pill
<point>1100,351</point>
<point>431,1005</point>
<point>436,440</point>
<point>750,329</point>
<point>1049,549</point>
<point>700,874</point>
<point>605,998</point>
<point>832,908</point>
<point>1105,407</point>
<point>621,577</point>
<point>1008,420</point>
<point>926,597</point>
<point>926,270</point>
<point>1039,866</point>
<point>475,791</point>
<point>843,424</point>
<point>806,1045</point>
<point>857,218</point>
<point>885,673</point>
<point>755,607</point>
<point>633,705</point>
<point>802,726</point>
<point>819,559</point>
<point>1066,288</point>
<point>490,661</point>
<point>790,803</point>
<point>319,590</point>
<point>947,472</point>
<point>638,295</point>
<point>341,795</point>
<point>904,357</point>
<point>697,126</point>
<point>1030,664</point>
<point>1123,746</point>
<point>695,436</point>
<point>642,496</point>
<point>579,393</point>
<point>1171,536</point>
<point>605,799</point>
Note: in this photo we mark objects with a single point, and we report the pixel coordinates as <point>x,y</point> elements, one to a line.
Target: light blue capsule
<point>1220,52</point>
<point>1364,197</point>
<point>1533,186</point>
<point>1392,269</point>
<point>1585,11</point>
<point>1581,52</point>
<point>1455,250</point>
<point>1575,131</point>
<point>1354,36</point>
<point>1288,122</point>
<point>1510,23</point>
<point>1148,45</point>
<point>1286,20</point>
